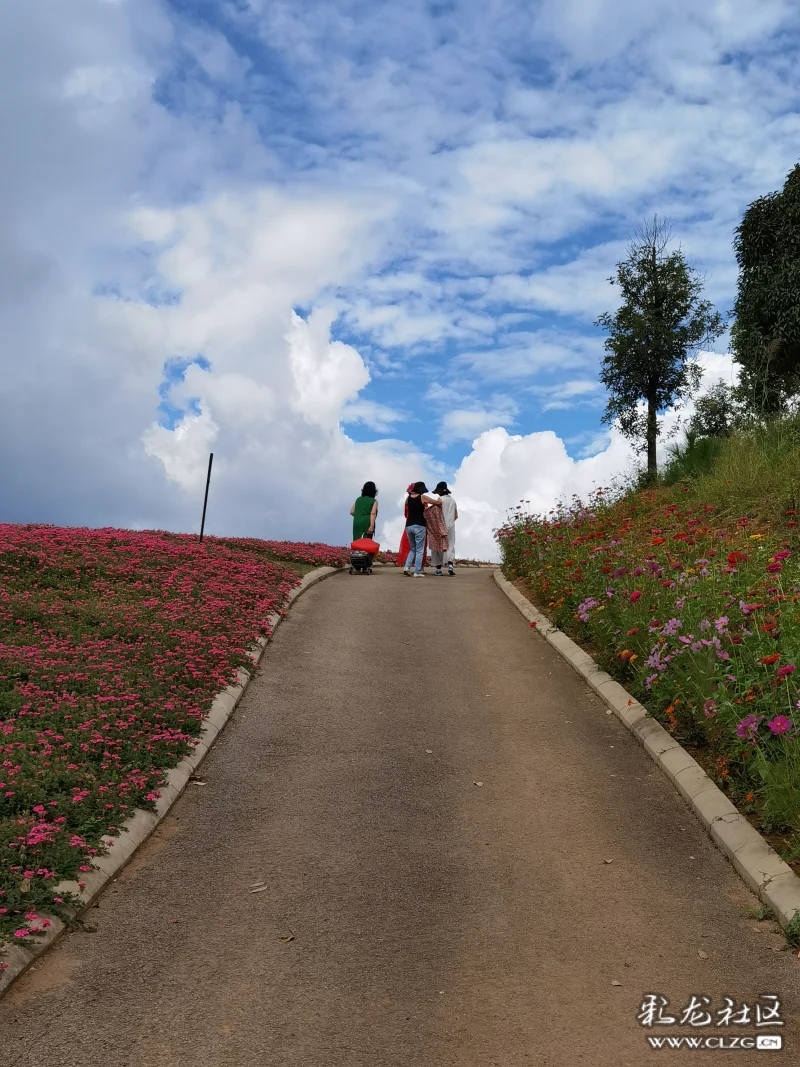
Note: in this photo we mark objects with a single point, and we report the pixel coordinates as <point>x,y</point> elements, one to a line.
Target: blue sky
<point>335,240</point>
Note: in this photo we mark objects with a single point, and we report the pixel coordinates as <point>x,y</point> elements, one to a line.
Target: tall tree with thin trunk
<point>654,336</point>
<point>766,333</point>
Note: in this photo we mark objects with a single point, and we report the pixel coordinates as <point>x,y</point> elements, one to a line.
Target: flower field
<point>697,615</point>
<point>113,645</point>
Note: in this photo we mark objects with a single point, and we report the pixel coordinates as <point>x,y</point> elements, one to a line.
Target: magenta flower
<point>784,672</point>
<point>780,725</point>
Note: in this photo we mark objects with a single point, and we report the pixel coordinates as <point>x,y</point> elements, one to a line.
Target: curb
<point>756,863</point>
<point>135,830</point>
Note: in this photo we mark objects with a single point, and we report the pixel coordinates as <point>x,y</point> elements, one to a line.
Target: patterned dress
<point>437,530</point>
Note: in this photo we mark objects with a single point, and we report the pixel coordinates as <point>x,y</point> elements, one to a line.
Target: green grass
<point>754,472</point>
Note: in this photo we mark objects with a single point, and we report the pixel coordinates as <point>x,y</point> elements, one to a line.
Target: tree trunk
<point>652,434</point>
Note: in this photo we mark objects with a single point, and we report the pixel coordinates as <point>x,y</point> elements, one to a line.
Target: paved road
<point>436,921</point>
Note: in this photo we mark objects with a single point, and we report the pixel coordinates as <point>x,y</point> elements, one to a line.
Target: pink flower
<point>748,727</point>
<point>783,672</point>
<point>780,725</point>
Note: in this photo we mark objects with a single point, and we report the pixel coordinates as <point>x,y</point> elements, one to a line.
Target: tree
<point>766,334</point>
<point>716,412</point>
<point>653,336</point>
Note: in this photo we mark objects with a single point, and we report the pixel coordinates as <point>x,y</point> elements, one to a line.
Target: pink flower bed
<point>113,645</point>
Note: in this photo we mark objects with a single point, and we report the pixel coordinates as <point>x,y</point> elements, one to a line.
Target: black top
<point>416,511</point>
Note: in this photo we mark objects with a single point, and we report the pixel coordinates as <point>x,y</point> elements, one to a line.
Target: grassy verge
<point>694,606</point>
<point>113,645</point>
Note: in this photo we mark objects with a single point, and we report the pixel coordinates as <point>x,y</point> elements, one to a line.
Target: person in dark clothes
<point>416,527</point>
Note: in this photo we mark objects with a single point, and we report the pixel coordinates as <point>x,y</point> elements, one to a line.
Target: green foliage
<point>755,471</point>
<point>716,413</point>
<point>766,334</point>
<point>691,459</point>
<point>660,325</point>
<point>792,931</point>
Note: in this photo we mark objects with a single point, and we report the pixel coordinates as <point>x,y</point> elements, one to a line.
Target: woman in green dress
<point>365,512</point>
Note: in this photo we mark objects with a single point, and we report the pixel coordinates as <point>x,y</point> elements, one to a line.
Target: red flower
<point>533,623</point>
<point>774,568</point>
<point>635,596</point>
<point>770,659</point>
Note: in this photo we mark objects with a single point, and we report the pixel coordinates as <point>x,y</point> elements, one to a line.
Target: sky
<point>340,240</point>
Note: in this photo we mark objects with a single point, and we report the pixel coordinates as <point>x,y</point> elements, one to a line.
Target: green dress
<point>361,516</point>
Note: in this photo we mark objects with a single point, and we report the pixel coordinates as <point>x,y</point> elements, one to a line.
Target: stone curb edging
<point>756,863</point>
<point>136,829</point>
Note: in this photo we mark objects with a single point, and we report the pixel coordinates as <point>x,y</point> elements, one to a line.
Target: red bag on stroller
<point>365,544</point>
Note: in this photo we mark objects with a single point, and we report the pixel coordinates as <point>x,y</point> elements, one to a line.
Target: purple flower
<point>721,624</point>
<point>748,727</point>
<point>697,646</point>
<point>585,608</point>
<point>649,681</point>
<point>705,624</point>
<point>671,628</point>
<point>780,725</point>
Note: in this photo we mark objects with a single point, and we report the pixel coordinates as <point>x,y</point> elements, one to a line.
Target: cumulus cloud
<point>203,249</point>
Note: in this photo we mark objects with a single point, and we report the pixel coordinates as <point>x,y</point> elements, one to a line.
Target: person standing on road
<point>437,534</point>
<point>365,512</point>
<point>416,527</point>
<point>449,514</point>
<point>404,543</point>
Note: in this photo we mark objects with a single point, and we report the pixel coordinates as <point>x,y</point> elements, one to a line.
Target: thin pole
<point>205,499</point>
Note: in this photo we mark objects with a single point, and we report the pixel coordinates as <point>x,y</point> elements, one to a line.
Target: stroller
<point>362,553</point>
<point>360,562</point>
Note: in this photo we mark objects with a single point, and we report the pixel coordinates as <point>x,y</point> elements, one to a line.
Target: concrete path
<point>435,921</point>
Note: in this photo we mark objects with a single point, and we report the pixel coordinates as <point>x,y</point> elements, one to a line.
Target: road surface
<point>430,796</point>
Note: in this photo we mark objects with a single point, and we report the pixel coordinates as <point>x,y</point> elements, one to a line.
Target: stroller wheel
<point>351,570</point>
<point>369,570</point>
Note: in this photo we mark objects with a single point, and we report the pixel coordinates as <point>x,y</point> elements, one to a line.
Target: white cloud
<point>379,417</point>
<point>580,391</point>
<point>409,179</point>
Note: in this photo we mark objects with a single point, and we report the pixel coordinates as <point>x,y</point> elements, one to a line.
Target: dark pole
<point>205,499</point>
